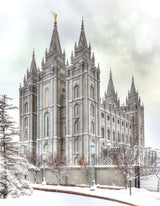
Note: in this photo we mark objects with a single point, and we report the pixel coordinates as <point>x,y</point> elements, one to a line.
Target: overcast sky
<point>124,35</point>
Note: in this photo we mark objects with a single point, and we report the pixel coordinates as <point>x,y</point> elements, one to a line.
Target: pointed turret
<point>55,46</point>
<point>33,66</point>
<point>111,96</point>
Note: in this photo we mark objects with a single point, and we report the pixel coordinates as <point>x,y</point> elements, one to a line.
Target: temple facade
<point>62,113</point>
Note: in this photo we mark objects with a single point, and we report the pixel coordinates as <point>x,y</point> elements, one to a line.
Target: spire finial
<point>33,56</point>
<point>82,23</point>
<point>110,72</point>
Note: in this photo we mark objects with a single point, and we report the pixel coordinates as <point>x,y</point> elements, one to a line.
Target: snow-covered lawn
<point>139,197</point>
<point>40,198</point>
<point>149,182</point>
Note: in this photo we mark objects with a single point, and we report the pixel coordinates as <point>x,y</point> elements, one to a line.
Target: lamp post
<point>93,175</point>
<point>44,159</point>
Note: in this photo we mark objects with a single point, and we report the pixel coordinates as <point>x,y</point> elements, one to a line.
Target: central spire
<point>82,39</point>
<point>55,46</point>
<point>33,66</point>
<point>133,89</point>
<point>111,96</point>
<point>110,90</point>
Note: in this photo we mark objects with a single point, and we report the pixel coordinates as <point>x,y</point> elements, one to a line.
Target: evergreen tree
<point>13,166</point>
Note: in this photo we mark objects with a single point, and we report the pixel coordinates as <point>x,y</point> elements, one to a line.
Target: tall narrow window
<point>75,161</point>
<point>25,122</point>
<point>92,110</point>
<point>122,137</point>
<point>76,127</point>
<point>127,139</point>
<point>76,91</point>
<point>76,146</point>
<point>26,108</point>
<point>119,137</point>
<point>92,92</point>
<point>108,134</point>
<point>76,110</point>
<point>46,149</point>
<point>92,127</point>
<point>114,136</point>
<point>102,132</point>
<point>46,125</point>
<point>47,97</point>
<point>25,129</point>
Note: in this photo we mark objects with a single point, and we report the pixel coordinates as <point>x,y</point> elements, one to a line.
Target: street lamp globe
<point>92,149</point>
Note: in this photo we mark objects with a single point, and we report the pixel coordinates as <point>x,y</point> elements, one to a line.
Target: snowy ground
<point>40,198</point>
<point>149,182</point>
<point>139,197</point>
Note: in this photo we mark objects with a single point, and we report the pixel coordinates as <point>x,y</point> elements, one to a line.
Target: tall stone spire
<point>133,89</point>
<point>110,89</point>
<point>132,94</point>
<point>33,66</point>
<point>82,39</point>
<point>55,46</point>
<point>111,96</point>
<point>82,50</point>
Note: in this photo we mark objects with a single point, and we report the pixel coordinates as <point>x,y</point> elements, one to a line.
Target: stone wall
<point>103,176</point>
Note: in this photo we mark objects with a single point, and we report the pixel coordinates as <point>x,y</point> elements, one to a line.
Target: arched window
<point>108,134</point>
<point>102,132</point>
<point>76,91</point>
<point>91,92</point>
<point>92,110</point>
<point>26,108</point>
<point>76,127</point>
<point>92,127</point>
<point>76,146</point>
<point>25,129</point>
<point>108,117</point>
<point>76,110</point>
<point>46,149</point>
<point>122,137</point>
<point>25,122</point>
<point>47,97</point>
<point>75,161</point>
<point>127,139</point>
<point>46,125</point>
<point>119,137</point>
<point>114,136</point>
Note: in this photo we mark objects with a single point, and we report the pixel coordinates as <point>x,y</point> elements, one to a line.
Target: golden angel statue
<point>55,16</point>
